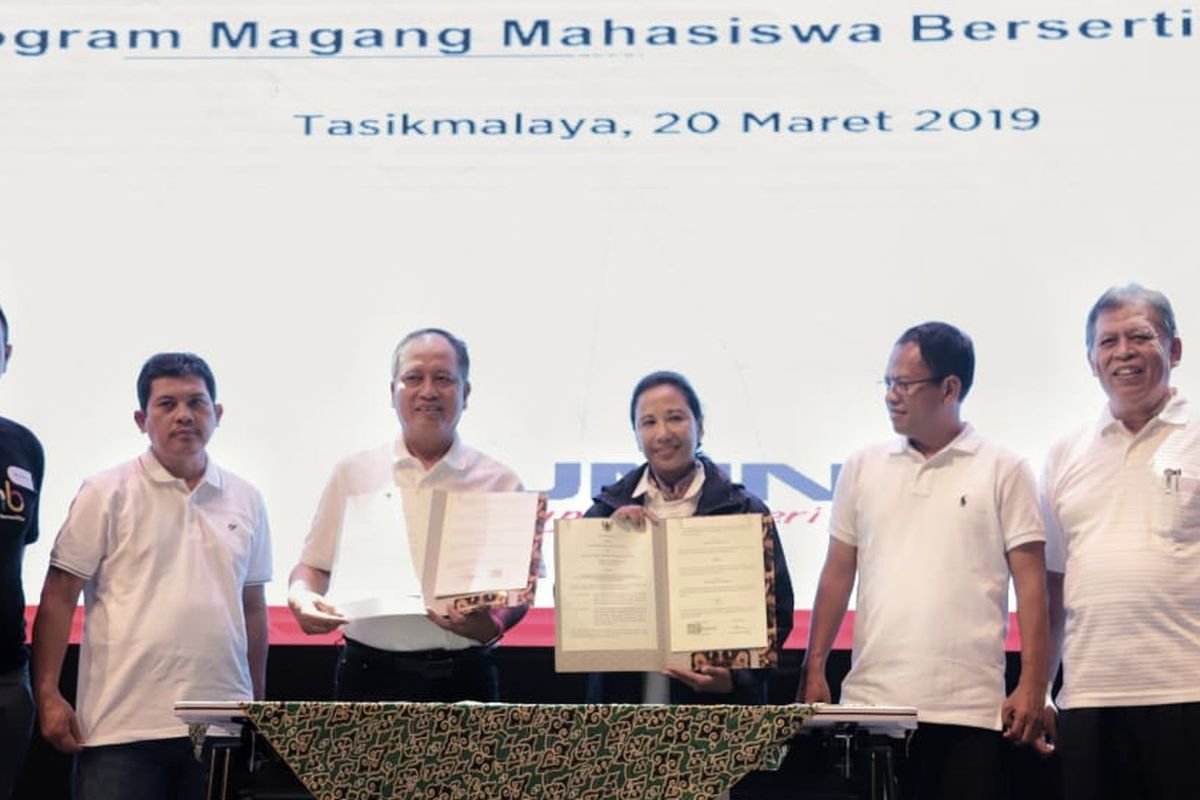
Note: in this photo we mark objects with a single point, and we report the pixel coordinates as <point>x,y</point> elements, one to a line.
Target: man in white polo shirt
<point>172,554</point>
<point>932,524</point>
<point>434,658</point>
<point>1122,501</point>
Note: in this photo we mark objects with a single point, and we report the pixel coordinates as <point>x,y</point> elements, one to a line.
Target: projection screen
<point>759,195</point>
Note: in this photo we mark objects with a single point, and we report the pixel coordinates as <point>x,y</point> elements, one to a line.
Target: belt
<point>431,663</point>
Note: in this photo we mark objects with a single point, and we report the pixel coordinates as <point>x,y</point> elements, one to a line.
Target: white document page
<point>418,505</point>
<point>373,573</point>
<point>486,542</point>
<point>715,569</point>
<point>606,593</point>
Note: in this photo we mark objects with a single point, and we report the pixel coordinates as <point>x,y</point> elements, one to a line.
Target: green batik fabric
<point>363,751</point>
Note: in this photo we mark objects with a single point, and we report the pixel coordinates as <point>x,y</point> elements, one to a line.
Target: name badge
<point>21,477</point>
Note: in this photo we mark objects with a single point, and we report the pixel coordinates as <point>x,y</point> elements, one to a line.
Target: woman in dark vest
<point>678,481</point>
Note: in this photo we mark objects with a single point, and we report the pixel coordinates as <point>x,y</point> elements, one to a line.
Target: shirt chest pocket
<point>978,537</point>
<point>1177,507</point>
<point>225,540</point>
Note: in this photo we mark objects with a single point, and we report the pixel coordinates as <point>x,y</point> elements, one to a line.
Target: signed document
<point>680,592</point>
<point>402,551</point>
<point>715,571</point>
<point>480,544</point>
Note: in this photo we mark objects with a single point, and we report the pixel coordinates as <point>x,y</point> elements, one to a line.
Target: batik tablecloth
<point>364,751</point>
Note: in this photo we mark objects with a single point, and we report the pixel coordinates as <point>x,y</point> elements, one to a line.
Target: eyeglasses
<point>905,387</point>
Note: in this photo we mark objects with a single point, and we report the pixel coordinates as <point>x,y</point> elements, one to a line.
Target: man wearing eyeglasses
<point>442,659</point>
<point>933,524</point>
<point>1122,499</point>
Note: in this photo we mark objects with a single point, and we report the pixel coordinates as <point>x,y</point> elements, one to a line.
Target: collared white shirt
<point>1123,525</point>
<point>662,508</point>
<point>932,537</point>
<point>656,687</point>
<point>165,567</point>
<point>462,469</point>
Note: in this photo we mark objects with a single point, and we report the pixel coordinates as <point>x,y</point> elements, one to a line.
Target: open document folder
<point>680,592</point>
<point>402,551</point>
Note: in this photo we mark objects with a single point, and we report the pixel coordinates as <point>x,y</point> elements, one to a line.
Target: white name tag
<point>21,477</point>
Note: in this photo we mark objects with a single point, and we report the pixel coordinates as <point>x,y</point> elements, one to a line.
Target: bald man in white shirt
<point>433,658</point>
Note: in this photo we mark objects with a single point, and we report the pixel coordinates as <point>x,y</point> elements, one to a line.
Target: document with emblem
<point>610,574</point>
<point>680,592</point>
<point>402,551</point>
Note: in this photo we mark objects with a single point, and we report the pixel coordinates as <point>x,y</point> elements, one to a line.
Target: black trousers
<point>954,762</point>
<point>16,726</point>
<point>1130,752</point>
<point>365,673</point>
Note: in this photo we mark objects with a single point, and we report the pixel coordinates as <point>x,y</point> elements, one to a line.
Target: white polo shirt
<point>462,469</point>
<point>932,537</point>
<point>165,568</point>
<point>1123,525</point>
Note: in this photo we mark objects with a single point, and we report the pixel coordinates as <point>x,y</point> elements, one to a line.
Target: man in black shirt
<point>21,465</point>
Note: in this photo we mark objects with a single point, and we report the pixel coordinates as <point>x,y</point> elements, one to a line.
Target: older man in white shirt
<point>437,658</point>
<point>1122,497</point>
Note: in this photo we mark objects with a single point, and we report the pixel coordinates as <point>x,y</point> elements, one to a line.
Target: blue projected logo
<point>568,479</point>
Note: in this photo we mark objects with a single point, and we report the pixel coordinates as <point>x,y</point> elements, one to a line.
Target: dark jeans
<point>436,676</point>
<point>954,762</point>
<point>153,769</point>
<point>16,725</point>
<point>1130,752</point>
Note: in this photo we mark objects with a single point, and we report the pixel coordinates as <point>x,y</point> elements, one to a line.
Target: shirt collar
<point>159,474</point>
<point>967,442</point>
<point>455,458</point>
<point>645,484</point>
<point>1175,412</point>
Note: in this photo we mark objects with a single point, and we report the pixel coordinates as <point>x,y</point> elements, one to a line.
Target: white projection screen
<point>760,195</point>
